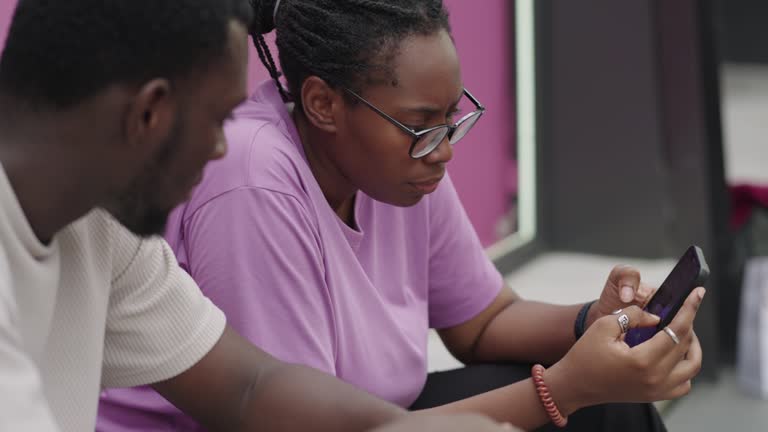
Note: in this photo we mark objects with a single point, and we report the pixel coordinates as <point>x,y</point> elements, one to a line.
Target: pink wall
<point>482,169</point>
<point>6,9</point>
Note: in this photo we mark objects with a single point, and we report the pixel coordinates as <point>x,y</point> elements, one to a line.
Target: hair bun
<point>264,20</point>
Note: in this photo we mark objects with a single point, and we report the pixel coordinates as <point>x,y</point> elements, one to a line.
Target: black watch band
<point>581,320</point>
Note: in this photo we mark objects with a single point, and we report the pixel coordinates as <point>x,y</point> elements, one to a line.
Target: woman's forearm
<point>527,331</point>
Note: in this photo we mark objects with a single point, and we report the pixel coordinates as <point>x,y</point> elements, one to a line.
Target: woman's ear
<point>320,103</point>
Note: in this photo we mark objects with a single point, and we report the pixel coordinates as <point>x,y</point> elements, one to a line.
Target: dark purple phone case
<point>691,271</point>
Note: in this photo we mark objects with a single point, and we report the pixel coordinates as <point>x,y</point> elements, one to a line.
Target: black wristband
<point>581,320</point>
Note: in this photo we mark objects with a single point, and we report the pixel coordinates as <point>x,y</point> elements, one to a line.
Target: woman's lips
<point>428,186</point>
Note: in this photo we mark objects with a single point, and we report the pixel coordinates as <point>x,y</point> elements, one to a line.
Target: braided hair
<point>347,43</point>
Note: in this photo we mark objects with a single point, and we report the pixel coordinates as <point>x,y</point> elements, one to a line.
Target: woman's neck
<point>337,189</point>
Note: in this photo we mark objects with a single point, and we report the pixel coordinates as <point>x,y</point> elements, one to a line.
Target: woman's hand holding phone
<point>602,368</point>
<point>623,288</point>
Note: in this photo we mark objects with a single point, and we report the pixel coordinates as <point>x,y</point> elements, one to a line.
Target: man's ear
<point>151,116</point>
<point>320,103</point>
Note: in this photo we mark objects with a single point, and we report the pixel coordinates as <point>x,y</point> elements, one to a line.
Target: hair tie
<point>274,14</point>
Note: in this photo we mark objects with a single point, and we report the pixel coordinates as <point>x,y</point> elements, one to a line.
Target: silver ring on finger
<point>672,335</point>
<point>623,320</point>
<point>616,312</point>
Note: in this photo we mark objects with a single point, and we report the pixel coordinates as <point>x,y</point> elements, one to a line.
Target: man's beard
<point>139,217</point>
<point>138,207</point>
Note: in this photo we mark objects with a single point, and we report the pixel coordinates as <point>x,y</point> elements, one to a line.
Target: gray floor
<point>716,407</point>
<point>719,406</point>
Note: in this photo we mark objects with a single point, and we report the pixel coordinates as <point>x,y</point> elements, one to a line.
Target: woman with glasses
<point>332,236</point>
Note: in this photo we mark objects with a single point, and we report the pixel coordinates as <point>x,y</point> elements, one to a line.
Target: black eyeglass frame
<point>418,134</point>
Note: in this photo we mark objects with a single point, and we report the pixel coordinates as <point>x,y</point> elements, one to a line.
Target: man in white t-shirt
<point>108,112</point>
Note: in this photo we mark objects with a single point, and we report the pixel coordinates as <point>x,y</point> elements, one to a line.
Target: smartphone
<point>691,271</point>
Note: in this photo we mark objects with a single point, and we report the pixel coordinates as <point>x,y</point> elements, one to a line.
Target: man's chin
<point>147,224</point>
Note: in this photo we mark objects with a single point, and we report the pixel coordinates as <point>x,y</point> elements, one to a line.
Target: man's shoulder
<point>94,230</point>
<point>98,242</point>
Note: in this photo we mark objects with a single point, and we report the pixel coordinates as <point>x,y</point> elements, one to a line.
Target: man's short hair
<point>61,52</point>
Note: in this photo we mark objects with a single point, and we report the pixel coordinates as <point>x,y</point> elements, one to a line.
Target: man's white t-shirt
<point>98,307</point>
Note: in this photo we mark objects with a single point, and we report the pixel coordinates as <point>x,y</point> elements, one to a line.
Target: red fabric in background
<point>744,199</point>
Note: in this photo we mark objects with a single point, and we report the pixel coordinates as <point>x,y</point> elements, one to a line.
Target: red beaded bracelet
<point>537,372</point>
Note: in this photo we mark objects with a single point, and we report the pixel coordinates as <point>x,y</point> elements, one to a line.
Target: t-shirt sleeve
<point>159,324</point>
<point>23,406</point>
<point>462,279</point>
<point>257,254</point>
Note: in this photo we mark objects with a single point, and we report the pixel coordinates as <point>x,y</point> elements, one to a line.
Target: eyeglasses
<point>427,140</point>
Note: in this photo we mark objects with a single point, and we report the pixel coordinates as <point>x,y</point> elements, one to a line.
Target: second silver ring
<point>672,335</point>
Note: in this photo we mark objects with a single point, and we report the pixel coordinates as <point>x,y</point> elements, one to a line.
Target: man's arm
<point>446,423</point>
<point>236,386</point>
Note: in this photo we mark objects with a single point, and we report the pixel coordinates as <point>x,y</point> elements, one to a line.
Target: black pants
<point>450,386</point>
